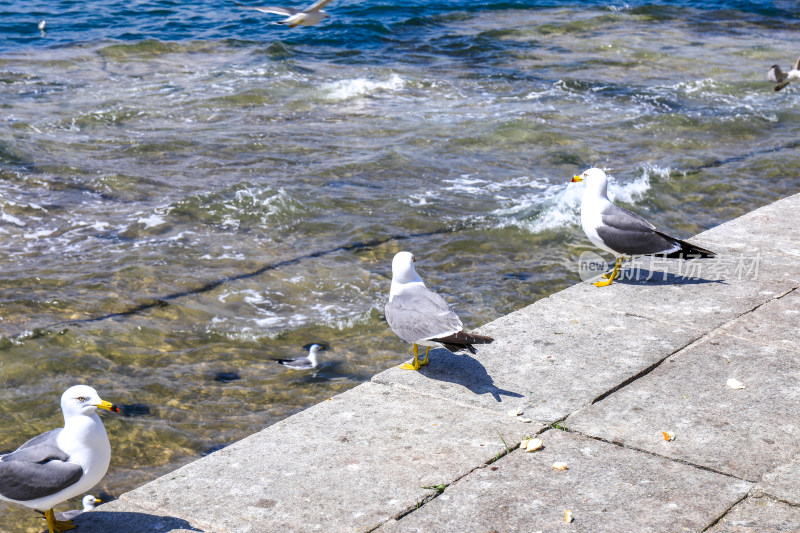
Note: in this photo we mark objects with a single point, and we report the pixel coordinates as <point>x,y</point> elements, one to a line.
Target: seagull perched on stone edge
<point>305,362</point>
<point>622,232</point>
<point>308,17</point>
<point>781,78</point>
<point>422,317</point>
<point>61,463</point>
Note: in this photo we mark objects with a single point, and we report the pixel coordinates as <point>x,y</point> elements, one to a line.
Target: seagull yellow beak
<point>108,406</point>
<point>98,501</point>
<point>576,179</point>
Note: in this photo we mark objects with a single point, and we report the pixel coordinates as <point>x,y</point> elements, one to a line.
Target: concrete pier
<point>706,353</point>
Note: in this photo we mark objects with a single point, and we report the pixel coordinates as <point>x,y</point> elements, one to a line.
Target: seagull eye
<point>81,399</point>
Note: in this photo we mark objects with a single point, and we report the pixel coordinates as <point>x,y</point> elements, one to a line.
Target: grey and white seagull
<point>309,16</point>
<point>622,232</point>
<point>780,78</point>
<point>422,317</point>
<point>305,362</point>
<point>61,463</point>
<point>89,502</point>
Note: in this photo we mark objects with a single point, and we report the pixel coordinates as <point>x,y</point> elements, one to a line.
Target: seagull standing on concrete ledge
<point>422,317</point>
<point>622,232</point>
<point>61,463</point>
<point>305,362</point>
<point>780,78</point>
<point>308,17</point>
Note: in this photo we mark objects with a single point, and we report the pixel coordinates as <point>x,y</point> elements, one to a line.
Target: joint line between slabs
<point>703,336</point>
<point>726,511</point>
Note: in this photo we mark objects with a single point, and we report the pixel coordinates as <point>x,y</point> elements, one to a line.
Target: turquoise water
<point>191,190</point>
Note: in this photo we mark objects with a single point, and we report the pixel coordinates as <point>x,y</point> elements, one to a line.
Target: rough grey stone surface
<point>542,357</point>
<point>783,484</point>
<point>608,489</point>
<point>745,433</point>
<point>349,463</point>
<point>759,515</point>
<point>622,363</point>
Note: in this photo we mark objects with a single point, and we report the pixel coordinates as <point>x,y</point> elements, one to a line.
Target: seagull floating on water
<point>305,362</point>
<point>780,78</point>
<point>622,232</point>
<point>42,26</point>
<point>422,317</point>
<point>89,502</point>
<point>61,463</point>
<point>308,17</point>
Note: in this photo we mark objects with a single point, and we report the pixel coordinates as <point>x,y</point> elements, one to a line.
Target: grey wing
<point>627,233</point>
<point>299,363</point>
<point>419,315</point>
<point>36,469</point>
<point>319,4</point>
<point>68,515</point>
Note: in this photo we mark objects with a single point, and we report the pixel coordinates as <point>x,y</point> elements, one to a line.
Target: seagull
<point>89,502</point>
<point>42,26</point>
<point>622,232</point>
<point>422,317</point>
<point>61,463</point>
<point>307,17</point>
<point>781,78</point>
<point>305,362</point>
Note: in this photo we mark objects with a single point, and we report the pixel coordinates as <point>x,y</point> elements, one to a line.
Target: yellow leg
<point>416,365</point>
<point>610,277</point>
<point>424,362</point>
<point>57,526</point>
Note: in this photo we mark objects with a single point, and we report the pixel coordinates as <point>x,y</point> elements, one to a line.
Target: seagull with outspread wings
<point>307,17</point>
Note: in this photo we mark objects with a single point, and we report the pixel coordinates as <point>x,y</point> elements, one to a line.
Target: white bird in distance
<point>308,17</point>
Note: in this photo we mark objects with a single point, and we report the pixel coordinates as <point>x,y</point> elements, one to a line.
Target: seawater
<point>189,189</point>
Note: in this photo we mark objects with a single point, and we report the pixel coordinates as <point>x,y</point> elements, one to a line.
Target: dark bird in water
<point>622,232</point>
<point>422,317</point>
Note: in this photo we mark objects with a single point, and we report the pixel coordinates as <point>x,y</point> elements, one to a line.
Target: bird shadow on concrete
<point>644,276</point>
<point>128,522</point>
<point>463,370</point>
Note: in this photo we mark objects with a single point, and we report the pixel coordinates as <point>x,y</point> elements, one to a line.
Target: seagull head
<point>89,502</point>
<point>314,348</point>
<point>591,175</point>
<point>83,400</point>
<point>596,181</point>
<point>403,268</point>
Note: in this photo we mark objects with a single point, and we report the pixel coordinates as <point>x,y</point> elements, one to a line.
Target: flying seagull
<point>61,463</point>
<point>780,78</point>
<point>422,317</point>
<point>622,232</point>
<point>307,17</point>
<point>305,362</point>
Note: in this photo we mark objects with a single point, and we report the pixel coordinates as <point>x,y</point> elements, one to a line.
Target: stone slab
<point>349,463</point>
<point>772,228</point>
<point>549,358</point>
<point>744,433</point>
<point>783,483</point>
<point>703,293</point>
<point>776,323</point>
<point>759,515</point>
<point>608,488</point>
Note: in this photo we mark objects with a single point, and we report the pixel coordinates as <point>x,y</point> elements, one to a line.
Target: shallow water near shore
<point>186,194</point>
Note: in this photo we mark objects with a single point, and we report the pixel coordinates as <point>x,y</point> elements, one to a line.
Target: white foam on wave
<point>358,87</point>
